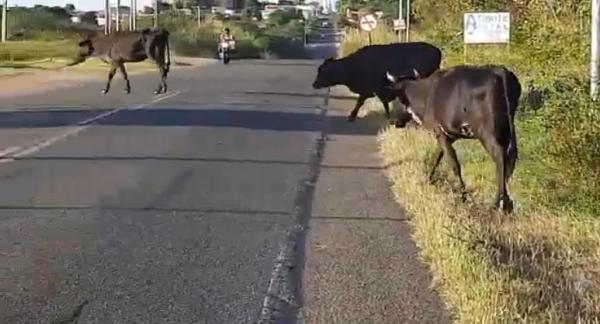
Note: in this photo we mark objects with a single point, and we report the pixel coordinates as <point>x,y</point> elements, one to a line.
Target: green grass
<point>19,51</point>
<point>542,264</point>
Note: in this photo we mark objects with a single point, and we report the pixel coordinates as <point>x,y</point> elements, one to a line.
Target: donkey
<point>129,46</point>
<point>465,102</point>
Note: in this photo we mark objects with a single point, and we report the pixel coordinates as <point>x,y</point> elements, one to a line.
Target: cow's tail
<point>512,152</point>
<point>76,61</point>
<point>168,50</point>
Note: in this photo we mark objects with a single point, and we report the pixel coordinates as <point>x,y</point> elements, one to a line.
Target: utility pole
<point>399,19</point>
<point>595,59</point>
<point>156,13</point>
<point>131,14</point>
<point>107,17</point>
<point>407,21</point>
<point>198,15</point>
<point>118,17</point>
<point>4,21</point>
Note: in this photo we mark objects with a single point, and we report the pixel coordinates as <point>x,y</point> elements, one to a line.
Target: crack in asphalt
<point>74,317</point>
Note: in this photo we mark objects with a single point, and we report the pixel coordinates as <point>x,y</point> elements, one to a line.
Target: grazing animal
<point>129,46</point>
<point>363,71</point>
<point>466,102</point>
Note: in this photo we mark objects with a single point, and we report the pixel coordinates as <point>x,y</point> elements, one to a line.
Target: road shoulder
<point>362,265</point>
<point>32,82</point>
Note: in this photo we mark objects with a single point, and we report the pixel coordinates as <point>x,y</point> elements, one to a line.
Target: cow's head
<point>399,83</point>
<point>325,74</point>
<point>86,47</point>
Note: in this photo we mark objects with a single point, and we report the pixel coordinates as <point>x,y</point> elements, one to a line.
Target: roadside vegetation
<point>45,37</point>
<point>281,35</point>
<point>542,264</point>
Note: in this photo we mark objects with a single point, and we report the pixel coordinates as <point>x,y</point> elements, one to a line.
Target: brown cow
<point>129,46</point>
<point>466,102</point>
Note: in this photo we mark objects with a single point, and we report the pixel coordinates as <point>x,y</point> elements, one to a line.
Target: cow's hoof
<point>127,91</point>
<point>505,205</point>
<point>104,91</point>
<point>398,124</point>
<point>351,118</point>
<point>156,92</point>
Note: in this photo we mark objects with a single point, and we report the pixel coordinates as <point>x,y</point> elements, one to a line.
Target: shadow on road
<point>167,117</point>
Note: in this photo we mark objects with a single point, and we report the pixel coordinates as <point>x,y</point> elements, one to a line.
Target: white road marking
<point>9,150</point>
<point>80,126</point>
<point>276,275</point>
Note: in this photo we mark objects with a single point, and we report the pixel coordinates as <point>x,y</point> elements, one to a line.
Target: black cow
<point>363,71</point>
<point>466,102</point>
<point>129,46</point>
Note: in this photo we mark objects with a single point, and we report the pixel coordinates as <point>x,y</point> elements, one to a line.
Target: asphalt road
<point>146,209</point>
<point>195,206</point>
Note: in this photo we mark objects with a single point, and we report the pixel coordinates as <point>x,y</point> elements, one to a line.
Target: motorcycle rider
<point>226,36</point>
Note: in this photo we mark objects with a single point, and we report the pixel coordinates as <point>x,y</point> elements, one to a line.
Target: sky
<point>84,5</point>
<point>79,4</point>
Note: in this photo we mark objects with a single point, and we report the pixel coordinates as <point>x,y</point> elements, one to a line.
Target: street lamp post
<point>156,13</point>
<point>4,21</point>
<point>400,19</point>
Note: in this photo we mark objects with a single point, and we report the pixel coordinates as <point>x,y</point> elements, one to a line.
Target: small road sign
<point>368,22</point>
<point>399,24</point>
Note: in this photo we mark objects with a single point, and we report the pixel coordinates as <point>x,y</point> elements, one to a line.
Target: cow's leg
<point>498,153</point>
<point>361,100</point>
<point>159,59</point>
<point>111,75</point>
<point>386,107</point>
<point>164,73</point>
<point>446,145</point>
<point>125,77</point>
<point>162,84</point>
<point>436,162</point>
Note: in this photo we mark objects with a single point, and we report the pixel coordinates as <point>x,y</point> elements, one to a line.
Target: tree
<point>164,6</point>
<point>58,12</point>
<point>89,17</point>
<point>252,8</point>
<point>179,4</point>
<point>70,8</point>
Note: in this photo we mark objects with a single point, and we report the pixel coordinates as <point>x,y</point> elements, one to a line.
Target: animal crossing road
<point>195,206</point>
<point>146,209</point>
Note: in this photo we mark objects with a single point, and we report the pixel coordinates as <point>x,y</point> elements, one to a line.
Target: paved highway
<point>188,207</point>
<point>147,209</point>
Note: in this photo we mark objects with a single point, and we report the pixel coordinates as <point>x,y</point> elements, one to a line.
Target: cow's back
<point>399,58</point>
<point>370,63</point>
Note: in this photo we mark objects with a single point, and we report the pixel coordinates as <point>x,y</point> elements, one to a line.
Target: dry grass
<point>534,267</point>
<point>540,265</point>
<point>356,39</point>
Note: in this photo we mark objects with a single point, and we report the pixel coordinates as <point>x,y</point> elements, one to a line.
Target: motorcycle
<point>224,48</point>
